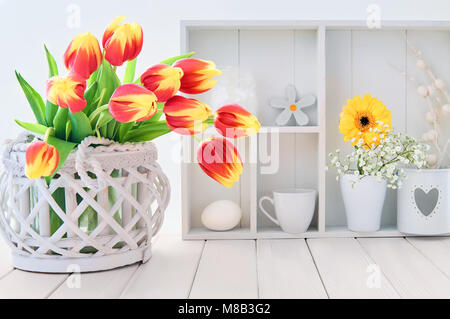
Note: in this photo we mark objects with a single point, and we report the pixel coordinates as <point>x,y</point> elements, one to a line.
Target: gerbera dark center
<point>364,121</point>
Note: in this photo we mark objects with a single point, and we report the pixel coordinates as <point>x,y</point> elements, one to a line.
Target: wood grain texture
<point>103,284</point>
<point>20,284</point>
<point>345,269</point>
<point>436,249</point>
<point>5,259</point>
<point>169,273</point>
<point>286,270</point>
<point>412,274</point>
<point>227,269</point>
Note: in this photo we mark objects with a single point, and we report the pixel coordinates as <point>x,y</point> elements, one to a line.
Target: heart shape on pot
<point>426,201</point>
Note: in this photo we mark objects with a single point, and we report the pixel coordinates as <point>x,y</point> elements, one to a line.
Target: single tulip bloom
<point>197,75</point>
<point>41,160</point>
<point>163,80</point>
<point>220,160</point>
<point>122,42</point>
<point>132,102</point>
<point>67,92</point>
<point>234,121</point>
<point>186,116</point>
<point>83,56</point>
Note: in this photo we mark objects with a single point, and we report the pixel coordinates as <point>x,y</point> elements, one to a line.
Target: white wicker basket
<point>113,199</point>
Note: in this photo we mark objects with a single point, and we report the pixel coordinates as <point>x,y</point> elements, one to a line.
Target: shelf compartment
<point>292,163</point>
<point>199,190</point>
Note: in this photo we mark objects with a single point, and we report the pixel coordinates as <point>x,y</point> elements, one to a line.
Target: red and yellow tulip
<point>132,102</point>
<point>83,56</point>
<point>122,42</point>
<point>186,116</point>
<point>220,160</point>
<point>197,75</point>
<point>67,92</point>
<point>163,80</point>
<point>41,160</point>
<point>234,121</point>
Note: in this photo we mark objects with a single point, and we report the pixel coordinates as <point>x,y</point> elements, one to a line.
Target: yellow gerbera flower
<point>364,120</point>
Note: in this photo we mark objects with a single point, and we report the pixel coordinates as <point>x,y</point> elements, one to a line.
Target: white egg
<point>221,215</point>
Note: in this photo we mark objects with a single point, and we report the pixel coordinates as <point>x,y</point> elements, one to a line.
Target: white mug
<point>294,209</point>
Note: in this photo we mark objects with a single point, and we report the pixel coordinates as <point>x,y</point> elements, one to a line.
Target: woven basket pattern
<point>121,188</point>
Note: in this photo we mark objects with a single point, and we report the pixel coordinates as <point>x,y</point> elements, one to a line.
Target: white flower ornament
<point>292,107</point>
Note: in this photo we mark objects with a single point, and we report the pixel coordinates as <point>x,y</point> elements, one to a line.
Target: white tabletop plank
<point>412,274</point>
<point>103,284</point>
<point>5,259</point>
<point>347,271</point>
<point>169,273</point>
<point>436,249</point>
<point>286,270</point>
<point>227,269</point>
<point>28,285</point>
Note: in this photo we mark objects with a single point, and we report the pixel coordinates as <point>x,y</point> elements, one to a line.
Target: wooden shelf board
<point>203,233</point>
<point>276,232</point>
<point>343,231</point>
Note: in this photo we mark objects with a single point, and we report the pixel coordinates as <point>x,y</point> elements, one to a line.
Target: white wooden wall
<point>357,62</point>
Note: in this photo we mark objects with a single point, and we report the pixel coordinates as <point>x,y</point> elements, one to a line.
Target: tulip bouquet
<point>92,101</point>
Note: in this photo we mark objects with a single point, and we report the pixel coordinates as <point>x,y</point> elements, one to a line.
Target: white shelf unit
<point>333,60</point>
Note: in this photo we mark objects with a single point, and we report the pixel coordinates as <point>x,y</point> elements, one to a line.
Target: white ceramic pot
<point>363,202</point>
<point>423,206</point>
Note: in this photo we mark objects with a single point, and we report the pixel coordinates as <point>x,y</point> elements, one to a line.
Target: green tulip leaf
<point>60,123</point>
<point>34,99</point>
<point>147,132</point>
<point>81,127</point>
<point>64,148</point>
<point>96,113</point>
<point>174,59</point>
<point>50,112</point>
<point>123,130</point>
<point>111,129</point>
<point>104,118</point>
<point>89,96</point>
<point>107,80</point>
<point>52,67</point>
<point>33,127</point>
<point>93,78</point>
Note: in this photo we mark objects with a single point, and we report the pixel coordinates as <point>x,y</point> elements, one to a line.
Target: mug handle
<point>264,211</point>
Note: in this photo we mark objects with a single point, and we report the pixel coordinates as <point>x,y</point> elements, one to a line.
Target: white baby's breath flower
<point>381,161</point>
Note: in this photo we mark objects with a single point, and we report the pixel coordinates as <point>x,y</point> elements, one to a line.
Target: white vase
<point>363,202</point>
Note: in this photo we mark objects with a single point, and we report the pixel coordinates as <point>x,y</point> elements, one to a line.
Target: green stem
<point>97,113</point>
<point>130,71</point>
<point>49,131</point>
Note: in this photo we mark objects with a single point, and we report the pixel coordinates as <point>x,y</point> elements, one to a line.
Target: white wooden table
<point>288,268</point>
